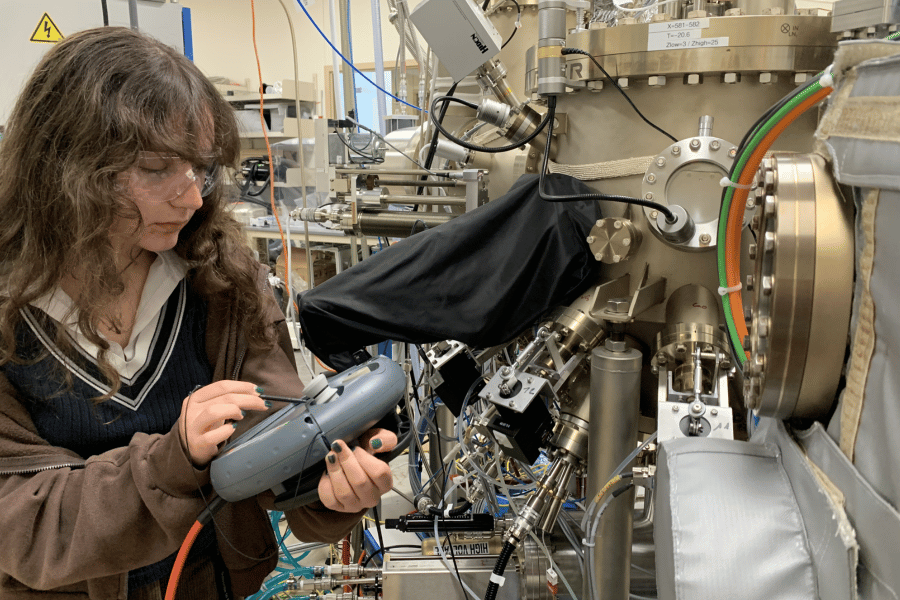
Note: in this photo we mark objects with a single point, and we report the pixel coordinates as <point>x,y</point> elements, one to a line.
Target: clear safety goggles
<point>159,178</point>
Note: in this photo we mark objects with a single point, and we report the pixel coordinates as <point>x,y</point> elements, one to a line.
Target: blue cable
<point>338,52</point>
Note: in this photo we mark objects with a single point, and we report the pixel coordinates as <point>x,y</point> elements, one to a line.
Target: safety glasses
<point>159,178</point>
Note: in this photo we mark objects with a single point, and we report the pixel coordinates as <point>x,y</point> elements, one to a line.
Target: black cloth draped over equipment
<point>481,278</point>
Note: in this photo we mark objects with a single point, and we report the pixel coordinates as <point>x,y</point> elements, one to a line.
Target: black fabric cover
<point>481,278</point>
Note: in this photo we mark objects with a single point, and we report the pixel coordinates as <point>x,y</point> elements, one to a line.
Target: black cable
<point>429,159</point>
<point>105,13</point>
<point>516,28</point>
<point>551,104</point>
<point>449,98</point>
<point>483,8</point>
<point>475,147</point>
<point>382,550</point>
<point>378,527</point>
<point>566,51</point>
<point>373,158</point>
<point>413,231</point>
<point>499,568</point>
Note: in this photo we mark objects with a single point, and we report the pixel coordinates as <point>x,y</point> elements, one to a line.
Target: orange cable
<point>321,364</point>
<point>345,559</point>
<point>262,120</point>
<point>181,558</point>
<point>738,204</point>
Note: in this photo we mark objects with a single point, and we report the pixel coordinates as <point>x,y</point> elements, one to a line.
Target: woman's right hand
<point>210,415</point>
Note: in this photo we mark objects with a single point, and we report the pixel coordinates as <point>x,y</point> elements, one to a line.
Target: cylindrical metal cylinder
<point>693,303</point>
<point>452,151</point>
<point>397,224</point>
<point>422,200</point>
<point>706,126</point>
<point>493,112</point>
<point>615,403</point>
<point>552,38</point>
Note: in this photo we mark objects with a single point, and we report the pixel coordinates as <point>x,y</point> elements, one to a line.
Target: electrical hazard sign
<point>47,31</point>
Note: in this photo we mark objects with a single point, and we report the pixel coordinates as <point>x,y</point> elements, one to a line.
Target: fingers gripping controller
<point>286,452</point>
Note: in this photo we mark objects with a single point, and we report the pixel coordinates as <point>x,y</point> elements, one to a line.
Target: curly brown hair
<point>95,101</point>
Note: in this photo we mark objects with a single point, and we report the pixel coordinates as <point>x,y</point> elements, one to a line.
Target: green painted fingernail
<point>259,390</point>
<point>336,447</point>
<point>234,424</point>
<point>243,413</point>
<point>268,404</point>
<point>376,443</point>
<point>332,458</point>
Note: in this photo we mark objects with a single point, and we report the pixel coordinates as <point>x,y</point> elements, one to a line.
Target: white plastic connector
<point>827,78</point>
<point>725,182</point>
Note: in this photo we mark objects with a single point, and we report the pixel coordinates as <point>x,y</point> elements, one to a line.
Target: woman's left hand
<point>355,479</point>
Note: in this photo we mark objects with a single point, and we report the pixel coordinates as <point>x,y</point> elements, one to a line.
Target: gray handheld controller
<point>285,452</point>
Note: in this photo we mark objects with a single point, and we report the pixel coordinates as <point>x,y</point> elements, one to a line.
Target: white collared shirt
<point>166,271</point>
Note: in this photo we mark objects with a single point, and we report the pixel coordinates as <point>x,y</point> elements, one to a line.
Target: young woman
<point>136,335</point>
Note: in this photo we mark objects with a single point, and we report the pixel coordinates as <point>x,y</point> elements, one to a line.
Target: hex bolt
<point>675,409</point>
<point>591,239</point>
<point>649,195</point>
<point>660,162</point>
<point>626,242</point>
<point>598,256</point>
<point>752,251</point>
<point>489,395</point>
<point>695,144</point>
<point>714,412</point>
<point>654,214</point>
<point>617,224</point>
<point>651,178</point>
<point>732,153</point>
<point>512,403</point>
<point>616,258</point>
<point>750,282</point>
<point>676,150</point>
<point>767,285</point>
<point>715,145</point>
<point>705,239</point>
<point>530,379</point>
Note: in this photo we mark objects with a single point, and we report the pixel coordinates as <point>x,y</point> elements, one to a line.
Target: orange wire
<point>181,558</point>
<point>321,364</point>
<point>262,120</point>
<point>739,203</point>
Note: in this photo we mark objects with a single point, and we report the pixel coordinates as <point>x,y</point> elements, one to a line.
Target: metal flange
<point>803,273</point>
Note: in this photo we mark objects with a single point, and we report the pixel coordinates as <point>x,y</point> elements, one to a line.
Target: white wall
<point>223,42</point>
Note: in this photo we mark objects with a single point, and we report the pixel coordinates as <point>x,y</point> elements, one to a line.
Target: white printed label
<point>475,549</point>
<point>678,25</point>
<point>659,42</point>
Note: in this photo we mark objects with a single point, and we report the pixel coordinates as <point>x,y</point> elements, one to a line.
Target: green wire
<point>726,206</point>
<point>893,36</point>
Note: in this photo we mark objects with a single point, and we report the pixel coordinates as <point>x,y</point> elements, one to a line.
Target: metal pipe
<point>335,63</point>
<point>706,126</point>
<point>423,200</point>
<point>379,66</point>
<point>133,15</point>
<point>448,173</point>
<point>377,181</point>
<point>349,97</point>
<point>397,224</point>
<point>615,402</point>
